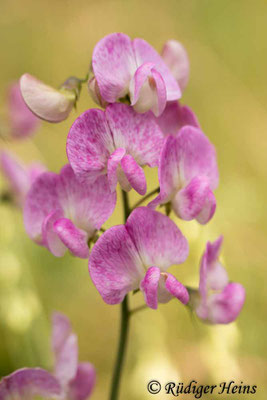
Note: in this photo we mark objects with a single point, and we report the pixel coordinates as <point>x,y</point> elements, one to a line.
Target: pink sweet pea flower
<point>137,255</point>
<point>19,176</point>
<point>175,57</point>
<point>174,117</point>
<point>132,67</point>
<point>219,302</point>
<point>77,380</point>
<point>116,142</point>
<point>22,121</point>
<point>71,380</point>
<point>62,213</point>
<point>188,174</point>
<point>47,103</point>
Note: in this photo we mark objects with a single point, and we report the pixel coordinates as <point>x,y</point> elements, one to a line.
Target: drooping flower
<point>175,57</point>
<point>48,103</point>
<point>218,300</point>
<point>137,255</point>
<point>22,122</point>
<point>70,381</point>
<point>19,176</point>
<point>132,67</point>
<point>188,174</point>
<point>116,142</point>
<point>77,380</point>
<point>61,213</point>
<point>174,117</point>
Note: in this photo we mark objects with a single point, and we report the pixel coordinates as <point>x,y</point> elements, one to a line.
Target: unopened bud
<point>95,93</point>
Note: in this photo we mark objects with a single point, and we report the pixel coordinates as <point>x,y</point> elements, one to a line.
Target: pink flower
<point>116,142</point>
<point>62,213</point>
<point>71,380</point>
<point>132,67</point>
<point>46,102</point>
<point>188,174</point>
<point>22,121</point>
<point>220,302</point>
<point>137,255</point>
<point>174,117</point>
<point>19,176</point>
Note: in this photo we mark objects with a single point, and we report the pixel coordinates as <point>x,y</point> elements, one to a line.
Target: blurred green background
<point>227,45</point>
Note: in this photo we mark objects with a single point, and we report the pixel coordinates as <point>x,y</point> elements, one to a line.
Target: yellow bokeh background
<point>227,45</point>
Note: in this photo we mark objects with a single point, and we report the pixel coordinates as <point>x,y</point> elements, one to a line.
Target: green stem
<point>141,201</point>
<point>124,326</point>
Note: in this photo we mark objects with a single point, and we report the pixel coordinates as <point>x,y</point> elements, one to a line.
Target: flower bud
<point>95,93</point>
<point>46,102</point>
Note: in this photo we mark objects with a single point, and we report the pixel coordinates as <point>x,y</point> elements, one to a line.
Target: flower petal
<point>174,117</point>
<point>27,383</point>
<point>23,122</point>
<point>176,289</point>
<point>44,101</point>
<point>82,385</point>
<point>149,287</point>
<point>190,201</point>
<point>73,238</point>
<point>50,237</point>
<point>41,200</point>
<point>114,265</point>
<point>225,307</point>
<point>148,90</point>
<point>175,57</point>
<point>60,332</point>
<point>89,145</point>
<point>134,173</point>
<point>157,239</point>
<point>113,164</point>
<point>114,64</point>
<point>139,134</point>
<point>208,209</point>
<point>88,206</point>
<point>145,53</point>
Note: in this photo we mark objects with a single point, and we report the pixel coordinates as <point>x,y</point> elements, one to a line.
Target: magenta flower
<point>22,121</point>
<point>62,213</point>
<point>46,102</point>
<point>188,174</point>
<point>71,380</point>
<point>77,380</point>
<point>19,176</point>
<point>137,255</point>
<point>219,302</point>
<point>175,57</point>
<point>174,117</point>
<point>116,142</point>
<point>132,67</point>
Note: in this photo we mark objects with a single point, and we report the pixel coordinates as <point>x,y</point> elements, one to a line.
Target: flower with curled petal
<point>22,122</point>
<point>188,174</point>
<point>137,255</point>
<point>124,67</point>
<point>62,213</point>
<point>19,176</point>
<point>47,103</point>
<point>116,142</point>
<point>218,301</point>
<point>71,380</point>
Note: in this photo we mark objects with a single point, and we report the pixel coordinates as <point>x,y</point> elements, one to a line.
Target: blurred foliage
<point>226,42</point>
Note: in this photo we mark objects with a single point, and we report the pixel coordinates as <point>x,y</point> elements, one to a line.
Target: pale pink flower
<point>188,174</point>
<point>61,213</point>
<point>132,67</point>
<point>136,256</point>
<point>22,121</point>
<point>19,176</point>
<point>219,301</point>
<point>116,142</point>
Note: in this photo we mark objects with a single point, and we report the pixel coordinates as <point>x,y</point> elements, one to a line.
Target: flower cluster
<point>70,380</point>
<point>141,124</point>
